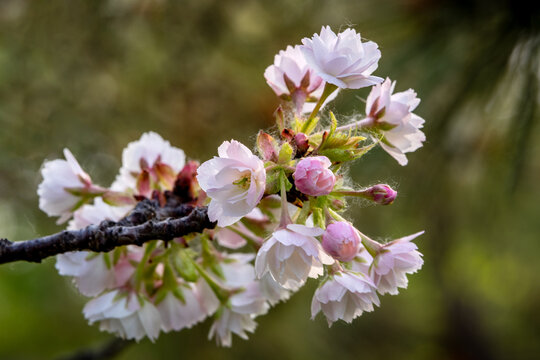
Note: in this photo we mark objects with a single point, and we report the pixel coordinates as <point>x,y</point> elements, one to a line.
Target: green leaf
<point>338,155</point>
<point>309,125</point>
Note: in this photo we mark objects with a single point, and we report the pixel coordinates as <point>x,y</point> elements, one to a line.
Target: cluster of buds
<point>279,211</point>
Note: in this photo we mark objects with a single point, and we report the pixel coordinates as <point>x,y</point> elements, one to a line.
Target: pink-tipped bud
<point>381,194</point>
<point>267,146</point>
<point>337,204</point>
<point>341,241</point>
<point>313,176</point>
<point>302,143</point>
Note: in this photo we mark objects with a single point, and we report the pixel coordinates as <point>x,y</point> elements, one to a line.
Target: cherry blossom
<point>343,59</point>
<point>393,262</point>
<point>197,302</point>
<point>234,181</point>
<point>125,314</point>
<point>292,79</point>
<point>345,295</point>
<point>292,254</point>
<point>65,187</point>
<point>392,114</point>
<point>149,163</point>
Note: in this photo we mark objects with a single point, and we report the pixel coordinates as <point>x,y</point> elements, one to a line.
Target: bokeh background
<point>93,75</point>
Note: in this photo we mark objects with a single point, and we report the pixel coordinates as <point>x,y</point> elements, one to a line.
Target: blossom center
<point>244,181</point>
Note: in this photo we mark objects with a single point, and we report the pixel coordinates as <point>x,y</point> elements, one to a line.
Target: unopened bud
<point>302,143</point>
<point>341,241</point>
<point>313,176</point>
<point>381,194</point>
<point>338,204</point>
<point>280,118</point>
<point>287,134</point>
<point>267,146</point>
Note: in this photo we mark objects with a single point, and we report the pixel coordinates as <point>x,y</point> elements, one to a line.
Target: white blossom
<point>63,187</point>
<point>291,255</point>
<point>345,295</point>
<point>293,79</point>
<point>93,214</point>
<point>198,301</point>
<point>148,163</point>
<point>343,59</point>
<point>91,273</point>
<point>127,315</point>
<point>273,291</point>
<point>235,182</point>
<point>393,262</point>
<point>237,316</point>
<point>392,113</point>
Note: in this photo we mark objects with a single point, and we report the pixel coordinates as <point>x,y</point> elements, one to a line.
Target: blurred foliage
<point>93,75</point>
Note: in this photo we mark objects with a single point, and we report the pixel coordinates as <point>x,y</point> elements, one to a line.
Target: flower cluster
<point>279,211</point>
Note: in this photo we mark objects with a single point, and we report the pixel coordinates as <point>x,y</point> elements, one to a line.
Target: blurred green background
<point>93,75</point>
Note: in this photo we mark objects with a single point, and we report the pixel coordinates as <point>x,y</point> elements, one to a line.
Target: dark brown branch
<point>143,224</point>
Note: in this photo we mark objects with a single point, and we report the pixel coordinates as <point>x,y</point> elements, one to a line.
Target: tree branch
<point>148,221</point>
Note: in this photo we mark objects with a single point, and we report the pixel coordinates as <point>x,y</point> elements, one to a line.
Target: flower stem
<point>355,193</point>
<point>372,246</point>
<point>328,89</point>
<point>254,242</point>
<point>336,216</point>
<point>221,293</point>
<point>359,124</point>
<point>285,217</point>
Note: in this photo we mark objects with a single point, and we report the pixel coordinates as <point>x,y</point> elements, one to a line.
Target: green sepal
<point>318,218</point>
<point>207,251</point>
<point>117,253</point>
<point>254,227</point>
<point>161,294</point>
<point>304,213</point>
<point>184,266</point>
<point>107,260</point>
<point>272,181</point>
<point>285,153</point>
<point>217,270</point>
<point>139,274</point>
<point>283,179</point>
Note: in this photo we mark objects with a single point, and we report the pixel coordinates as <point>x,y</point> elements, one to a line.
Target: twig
<point>136,229</point>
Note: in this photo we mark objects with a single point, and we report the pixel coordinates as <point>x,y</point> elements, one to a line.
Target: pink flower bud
<point>312,176</point>
<point>341,241</point>
<point>267,146</point>
<point>381,194</point>
<point>337,204</point>
<point>302,142</point>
